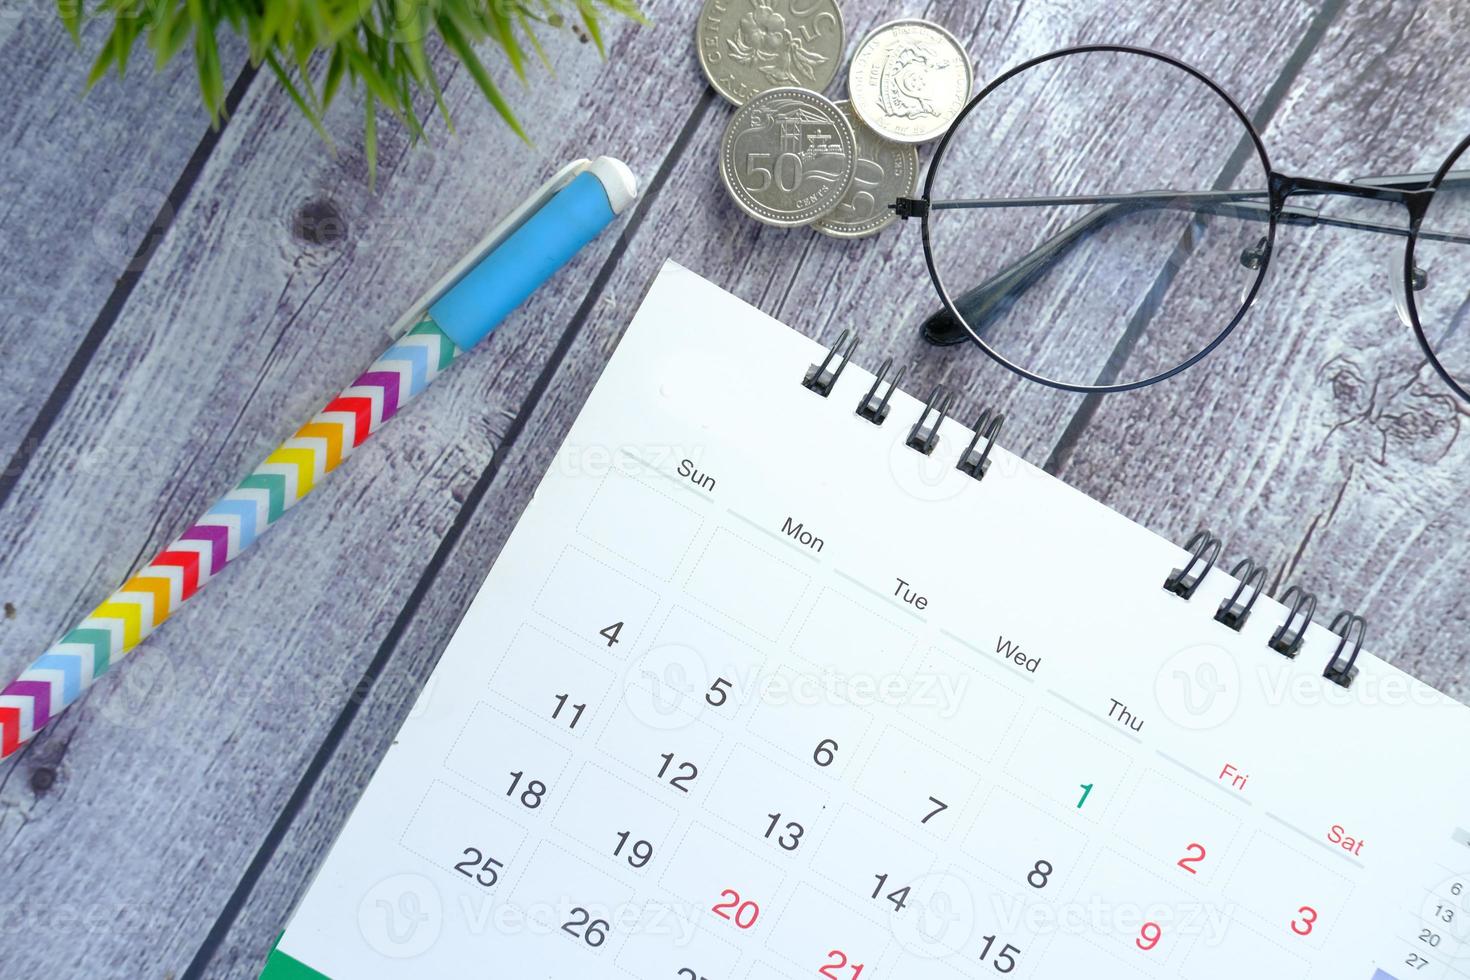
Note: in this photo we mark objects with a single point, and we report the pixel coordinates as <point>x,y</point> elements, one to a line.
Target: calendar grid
<point>739,708</point>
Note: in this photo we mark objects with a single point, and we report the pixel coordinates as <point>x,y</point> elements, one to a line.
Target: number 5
<point>717,693</point>
<point>750,159</point>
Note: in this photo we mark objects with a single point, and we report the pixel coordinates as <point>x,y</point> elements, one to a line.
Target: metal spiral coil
<point>1204,549</point>
<point>1286,639</point>
<point>822,377</point>
<point>987,427</point>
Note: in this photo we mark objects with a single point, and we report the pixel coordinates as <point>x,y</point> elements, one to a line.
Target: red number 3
<point>1304,926</point>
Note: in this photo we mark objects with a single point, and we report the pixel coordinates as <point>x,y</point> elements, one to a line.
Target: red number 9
<point>1148,936</point>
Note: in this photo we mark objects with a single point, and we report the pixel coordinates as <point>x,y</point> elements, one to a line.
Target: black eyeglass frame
<point>1414,192</point>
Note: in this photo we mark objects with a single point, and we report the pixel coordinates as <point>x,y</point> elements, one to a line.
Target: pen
<point>456,313</point>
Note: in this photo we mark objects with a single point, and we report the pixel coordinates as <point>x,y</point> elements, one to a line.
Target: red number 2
<point>1195,856</point>
<point>839,960</point>
<point>745,912</point>
<point>1304,927</point>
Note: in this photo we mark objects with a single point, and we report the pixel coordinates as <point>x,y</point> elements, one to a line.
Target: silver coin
<point>788,156</point>
<point>909,79</point>
<point>885,171</point>
<point>747,47</point>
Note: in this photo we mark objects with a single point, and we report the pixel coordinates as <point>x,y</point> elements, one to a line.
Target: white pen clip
<point>498,234</point>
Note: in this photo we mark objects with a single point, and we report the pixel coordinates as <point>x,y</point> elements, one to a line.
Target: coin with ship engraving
<point>749,46</point>
<point>884,172</point>
<point>909,79</point>
<point>788,157</point>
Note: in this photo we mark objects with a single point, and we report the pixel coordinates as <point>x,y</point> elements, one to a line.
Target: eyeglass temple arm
<point>1414,182</point>
<point>976,305</point>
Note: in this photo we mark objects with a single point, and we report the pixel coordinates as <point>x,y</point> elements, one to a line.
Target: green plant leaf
<point>169,36</point>
<point>504,34</point>
<point>589,21</point>
<point>530,33</point>
<point>466,54</point>
<point>102,63</point>
<point>206,59</point>
<point>336,65</point>
<point>439,100</point>
<point>70,12</point>
<point>370,138</point>
<point>307,109</point>
<point>380,49</point>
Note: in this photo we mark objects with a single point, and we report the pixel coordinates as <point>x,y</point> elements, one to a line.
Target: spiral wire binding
<point>873,408</point>
<point>987,427</point>
<point>1287,640</point>
<point>1204,548</point>
<point>925,437</point>
<point>821,377</point>
<point>1350,627</point>
<point>1232,612</point>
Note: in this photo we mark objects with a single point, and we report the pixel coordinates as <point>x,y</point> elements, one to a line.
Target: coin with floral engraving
<point>884,172</point>
<point>749,46</point>
<point>788,156</point>
<point>909,79</point>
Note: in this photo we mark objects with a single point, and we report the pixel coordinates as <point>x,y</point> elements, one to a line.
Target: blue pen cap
<point>487,293</point>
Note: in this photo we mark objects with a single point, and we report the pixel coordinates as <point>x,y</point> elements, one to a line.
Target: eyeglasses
<point>1091,215</point>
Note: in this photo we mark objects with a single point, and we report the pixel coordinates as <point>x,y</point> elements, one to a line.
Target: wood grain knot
<point>42,779</point>
<point>319,222</point>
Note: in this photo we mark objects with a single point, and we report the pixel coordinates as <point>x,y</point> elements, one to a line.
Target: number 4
<point>610,633</point>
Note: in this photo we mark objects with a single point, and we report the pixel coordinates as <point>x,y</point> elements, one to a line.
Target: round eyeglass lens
<point>1442,273</point>
<point>1099,219</point>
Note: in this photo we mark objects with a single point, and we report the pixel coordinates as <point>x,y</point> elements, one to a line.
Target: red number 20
<point>745,912</point>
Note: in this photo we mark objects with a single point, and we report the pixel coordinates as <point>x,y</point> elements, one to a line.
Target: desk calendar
<point>757,690</point>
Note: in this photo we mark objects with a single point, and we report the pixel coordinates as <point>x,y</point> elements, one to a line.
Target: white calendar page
<point>756,691</point>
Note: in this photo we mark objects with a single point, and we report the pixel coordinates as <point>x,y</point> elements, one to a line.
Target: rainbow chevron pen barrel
<point>455,314</point>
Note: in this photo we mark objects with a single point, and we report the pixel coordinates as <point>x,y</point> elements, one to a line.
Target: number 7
<point>940,807</point>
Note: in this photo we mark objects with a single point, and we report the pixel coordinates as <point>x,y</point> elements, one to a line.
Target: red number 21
<point>839,960</point>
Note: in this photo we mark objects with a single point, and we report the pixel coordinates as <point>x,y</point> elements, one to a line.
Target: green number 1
<point>1086,789</point>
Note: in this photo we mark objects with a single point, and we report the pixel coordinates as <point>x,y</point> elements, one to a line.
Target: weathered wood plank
<point>239,328</point>
<point>692,221</point>
<point>1346,458</point>
<point>85,178</point>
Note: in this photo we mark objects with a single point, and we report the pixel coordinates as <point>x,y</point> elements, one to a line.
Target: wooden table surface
<point>176,300</point>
